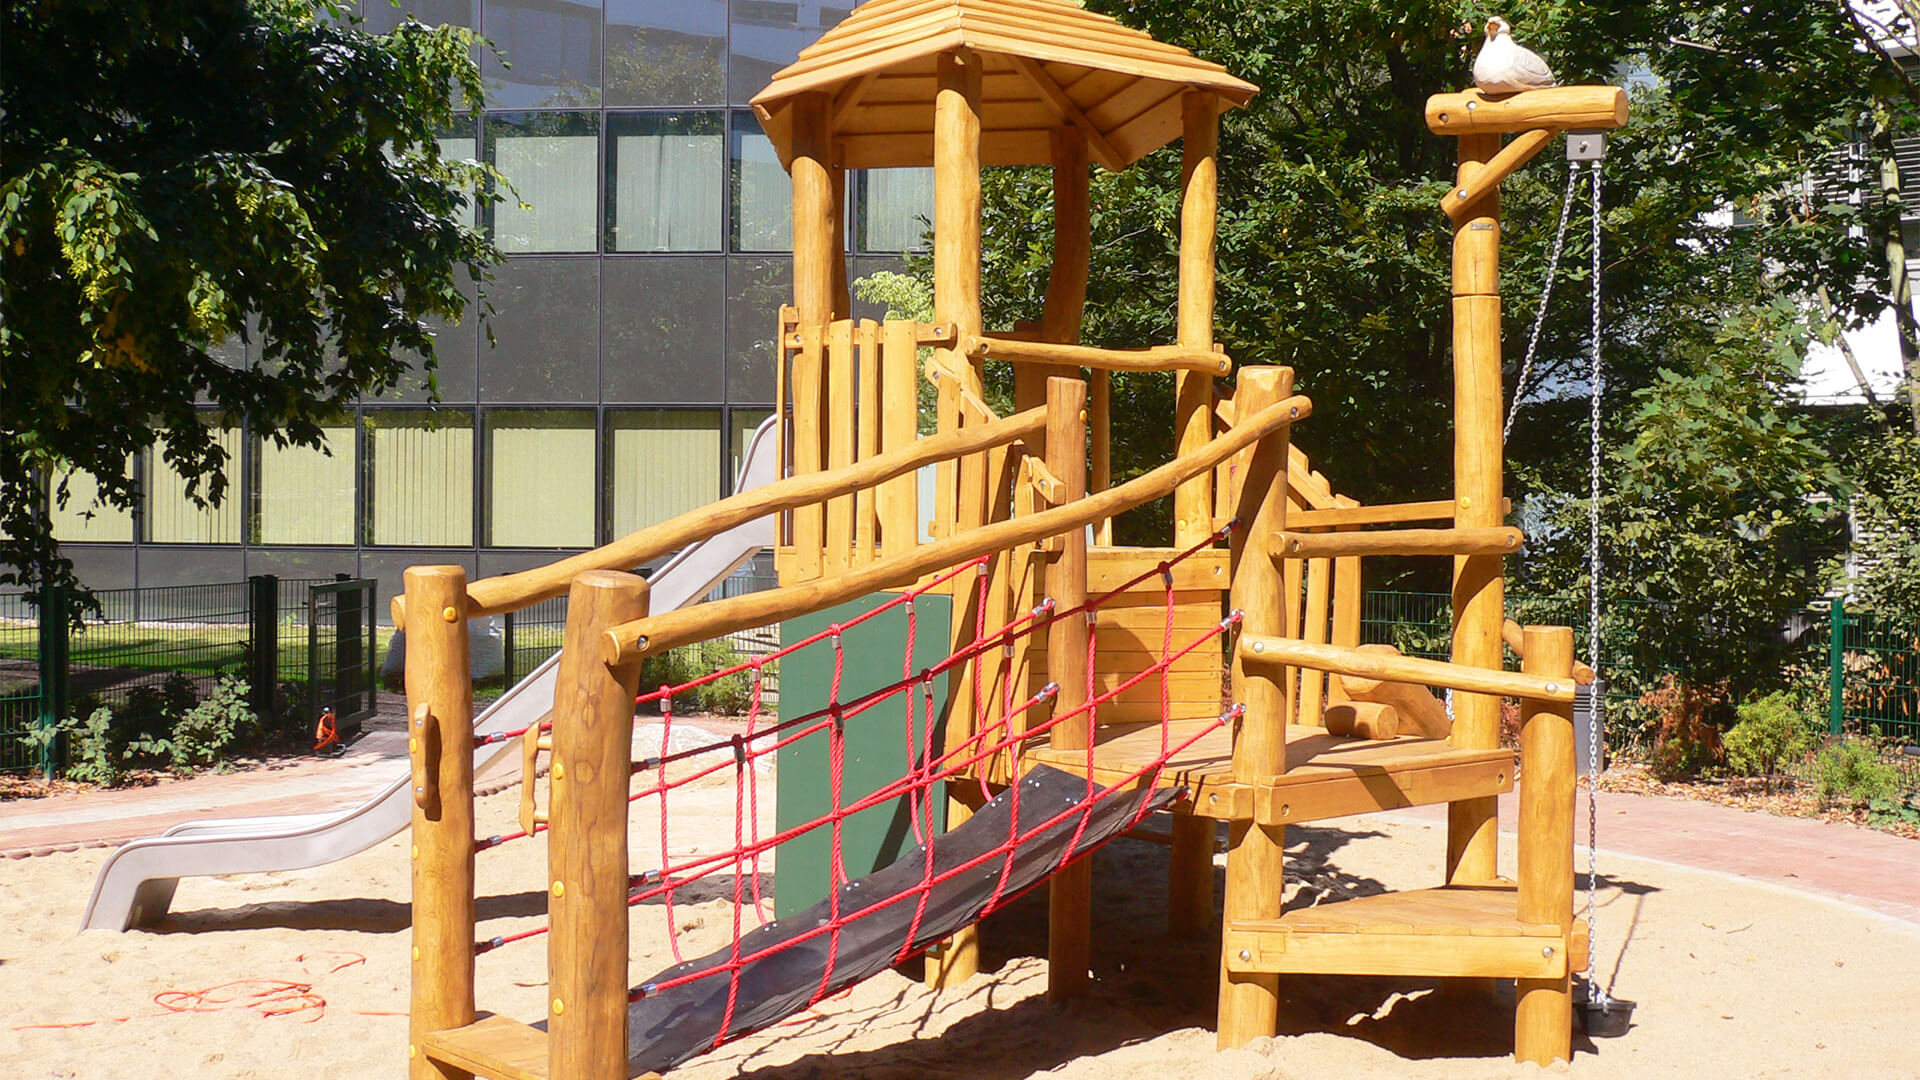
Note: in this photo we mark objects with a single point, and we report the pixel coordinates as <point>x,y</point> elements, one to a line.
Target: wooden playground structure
<point>1264,553</point>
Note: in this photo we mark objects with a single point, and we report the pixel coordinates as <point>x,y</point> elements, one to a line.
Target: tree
<point>179,173</point>
<point>1886,515</point>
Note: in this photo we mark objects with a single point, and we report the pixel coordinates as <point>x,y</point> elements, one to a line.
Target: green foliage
<point>207,733</point>
<point>1770,731</point>
<point>729,696</point>
<point>94,755</point>
<point>1886,517</point>
<point>1849,772</point>
<point>183,174</point>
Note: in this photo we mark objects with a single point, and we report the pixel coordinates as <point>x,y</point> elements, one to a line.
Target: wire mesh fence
<point>19,681</point>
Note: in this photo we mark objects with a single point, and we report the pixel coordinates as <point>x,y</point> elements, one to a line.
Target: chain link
<point>1546,293</point>
<point>1597,995</point>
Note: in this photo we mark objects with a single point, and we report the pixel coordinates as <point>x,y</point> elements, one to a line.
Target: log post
<point>956,302</point>
<point>1199,200</point>
<point>1478,467</point>
<point>1543,1022</point>
<point>1070,893</point>
<point>440,742</point>
<point>1256,867</point>
<point>815,282</point>
<point>1190,868</point>
<point>587,841</point>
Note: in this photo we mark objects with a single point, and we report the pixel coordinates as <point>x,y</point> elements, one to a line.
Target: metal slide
<point>136,884</point>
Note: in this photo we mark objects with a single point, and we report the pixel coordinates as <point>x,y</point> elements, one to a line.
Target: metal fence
<point>1866,673</point>
<point>149,655</point>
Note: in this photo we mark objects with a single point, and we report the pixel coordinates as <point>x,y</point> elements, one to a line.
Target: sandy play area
<point>1733,979</point>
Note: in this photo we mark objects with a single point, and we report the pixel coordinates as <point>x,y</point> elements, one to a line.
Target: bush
<point>1771,731</point>
<point>729,696</point>
<point>1851,773</point>
<point>1688,742</point>
<point>211,729</point>
<point>93,753</point>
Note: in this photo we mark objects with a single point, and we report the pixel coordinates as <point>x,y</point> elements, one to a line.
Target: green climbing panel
<point>876,746</point>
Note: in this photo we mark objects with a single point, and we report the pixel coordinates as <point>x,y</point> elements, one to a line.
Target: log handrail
<point>1499,540</point>
<point>1156,358</point>
<point>1368,514</point>
<point>511,592</point>
<point>1340,660</point>
<point>631,641</point>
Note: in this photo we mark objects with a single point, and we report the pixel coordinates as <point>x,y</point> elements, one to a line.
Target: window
<point>745,423</point>
<point>767,35</point>
<point>420,477</point>
<point>540,469</point>
<point>305,495</point>
<point>661,463</point>
<point>762,191</point>
<point>546,332</point>
<point>755,290</point>
<point>666,53</point>
<point>86,515</point>
<point>663,329</point>
<point>663,182</point>
<point>896,209</point>
<point>174,518</point>
<point>551,160</point>
<point>384,15</point>
<point>553,47</point>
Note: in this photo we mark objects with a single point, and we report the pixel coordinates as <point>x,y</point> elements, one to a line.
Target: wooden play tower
<point>1321,727</point>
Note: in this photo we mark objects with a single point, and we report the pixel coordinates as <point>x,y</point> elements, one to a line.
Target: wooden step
<point>1327,775</point>
<point>1457,930</point>
<point>494,1047</point>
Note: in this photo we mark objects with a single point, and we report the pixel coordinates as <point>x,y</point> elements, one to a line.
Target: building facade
<point>646,258</point>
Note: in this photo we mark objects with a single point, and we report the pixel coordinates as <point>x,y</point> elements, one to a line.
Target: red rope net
<point>1002,730</point>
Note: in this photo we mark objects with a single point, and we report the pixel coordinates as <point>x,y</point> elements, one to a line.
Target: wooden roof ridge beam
<point>1569,108</point>
<point>1499,540</point>
<point>1069,113</point>
<point>1340,660</point>
<point>1155,358</point>
<point>1463,202</point>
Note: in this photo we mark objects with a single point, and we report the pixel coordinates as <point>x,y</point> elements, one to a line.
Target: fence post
<point>55,626</point>
<point>263,629</point>
<point>1837,666</point>
<point>348,647</point>
<point>506,650</point>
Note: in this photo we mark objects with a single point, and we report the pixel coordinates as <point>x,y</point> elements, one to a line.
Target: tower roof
<point>1045,63</point>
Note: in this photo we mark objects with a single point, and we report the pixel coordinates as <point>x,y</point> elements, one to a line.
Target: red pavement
<point>1871,870</point>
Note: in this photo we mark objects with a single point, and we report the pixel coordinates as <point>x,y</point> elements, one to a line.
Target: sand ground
<point>1733,978</point>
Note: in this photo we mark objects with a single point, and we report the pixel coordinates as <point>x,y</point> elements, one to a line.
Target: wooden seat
<point>1327,776</point>
<point>1455,931</point>
<point>497,1048</point>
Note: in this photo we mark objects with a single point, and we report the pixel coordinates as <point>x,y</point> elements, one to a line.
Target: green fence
<point>1867,673</point>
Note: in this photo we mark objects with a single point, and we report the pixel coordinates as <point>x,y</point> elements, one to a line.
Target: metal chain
<point>1546,293</point>
<point>1596,702</point>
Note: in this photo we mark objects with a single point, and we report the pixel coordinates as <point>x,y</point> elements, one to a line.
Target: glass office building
<point>634,316</point>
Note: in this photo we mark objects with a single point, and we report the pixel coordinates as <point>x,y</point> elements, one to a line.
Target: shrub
<point>1771,731</point>
<point>211,729</point>
<point>729,696</point>
<point>1851,773</point>
<point>150,711</point>
<point>1688,742</point>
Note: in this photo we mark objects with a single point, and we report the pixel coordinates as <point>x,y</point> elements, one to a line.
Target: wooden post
<point>1199,199</point>
<point>1315,627</point>
<point>1070,893</point>
<point>899,427</point>
<point>1478,467</point>
<point>814,283</point>
<point>956,301</point>
<point>587,842</point>
<point>440,742</point>
<point>1190,869</point>
<point>1256,866</point>
<point>1543,1023</point>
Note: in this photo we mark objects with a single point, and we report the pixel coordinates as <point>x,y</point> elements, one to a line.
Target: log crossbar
<point>1156,358</point>
<point>643,637</point>
<point>1494,541</point>
<point>1266,650</point>
<point>511,592</point>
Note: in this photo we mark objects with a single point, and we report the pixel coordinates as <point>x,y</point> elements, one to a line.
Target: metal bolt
<point>1294,412</point>
<point>1463,193</point>
<point>1213,800</point>
<point>419,791</point>
<point>1443,118</point>
<point>1471,105</point>
<point>1259,646</point>
<point>1546,951</point>
<point>1246,955</point>
<point>1553,688</point>
<point>449,613</point>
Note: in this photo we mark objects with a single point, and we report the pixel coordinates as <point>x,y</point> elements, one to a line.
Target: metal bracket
<point>1586,145</point>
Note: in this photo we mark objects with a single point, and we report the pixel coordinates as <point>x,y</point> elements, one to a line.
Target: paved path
<point>1869,869</point>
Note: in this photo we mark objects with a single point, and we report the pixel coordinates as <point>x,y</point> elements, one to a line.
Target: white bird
<point>1504,67</point>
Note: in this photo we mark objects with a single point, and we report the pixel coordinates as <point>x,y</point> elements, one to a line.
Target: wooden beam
<point>703,621</point>
<point>1516,640</point>
<point>1266,650</point>
<point>1193,395</point>
<point>1497,540</point>
<point>1069,113</point>
<point>1070,892</point>
<point>849,98</point>
<point>1157,358</point>
<point>1575,108</point>
<point>1543,1021</point>
<point>1459,201</point>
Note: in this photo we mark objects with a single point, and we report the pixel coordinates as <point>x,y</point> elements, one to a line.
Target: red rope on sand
<point>265,997</point>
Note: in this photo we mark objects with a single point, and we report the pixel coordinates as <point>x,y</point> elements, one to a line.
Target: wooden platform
<point>1327,776</point>
<point>494,1047</point>
<point>1458,930</point>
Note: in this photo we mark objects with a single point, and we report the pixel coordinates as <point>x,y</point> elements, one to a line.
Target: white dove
<point>1504,67</point>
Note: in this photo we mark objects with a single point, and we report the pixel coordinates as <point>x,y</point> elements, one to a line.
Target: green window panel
<point>173,518</point>
<point>540,466</point>
<point>305,495</point>
<point>661,463</point>
<point>420,478</point>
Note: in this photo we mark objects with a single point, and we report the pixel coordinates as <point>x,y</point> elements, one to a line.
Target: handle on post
<point>530,746</point>
<point>423,746</point>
